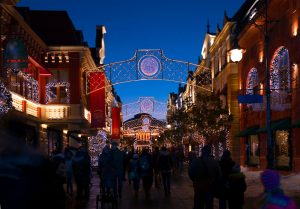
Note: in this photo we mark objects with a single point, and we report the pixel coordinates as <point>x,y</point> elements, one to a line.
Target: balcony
<point>47,112</point>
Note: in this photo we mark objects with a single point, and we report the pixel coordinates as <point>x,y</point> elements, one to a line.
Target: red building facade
<point>284,61</point>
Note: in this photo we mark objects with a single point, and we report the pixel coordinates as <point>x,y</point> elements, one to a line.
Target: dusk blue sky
<point>177,27</point>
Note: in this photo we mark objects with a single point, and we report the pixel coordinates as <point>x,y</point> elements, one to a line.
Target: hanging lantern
<point>15,55</point>
<point>5,99</point>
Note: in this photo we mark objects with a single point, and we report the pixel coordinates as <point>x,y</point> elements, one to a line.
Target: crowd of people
<point>141,168</point>
<point>224,180</point>
<point>37,181</point>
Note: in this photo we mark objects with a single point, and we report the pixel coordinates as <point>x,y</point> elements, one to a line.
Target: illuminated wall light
<point>46,58</point>
<point>67,58</point>
<point>261,87</point>
<point>52,58</point>
<point>65,131</point>
<point>79,135</point>
<point>295,27</point>
<point>261,56</point>
<point>60,58</point>
<point>44,126</point>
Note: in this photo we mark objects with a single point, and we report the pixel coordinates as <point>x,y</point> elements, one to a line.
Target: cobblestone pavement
<point>181,194</point>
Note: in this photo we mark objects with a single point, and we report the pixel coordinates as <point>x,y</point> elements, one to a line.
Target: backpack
<point>144,163</point>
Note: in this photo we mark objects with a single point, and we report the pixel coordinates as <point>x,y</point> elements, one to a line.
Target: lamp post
<point>236,55</point>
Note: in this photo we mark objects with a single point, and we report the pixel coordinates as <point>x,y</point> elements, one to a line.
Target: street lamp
<point>236,56</point>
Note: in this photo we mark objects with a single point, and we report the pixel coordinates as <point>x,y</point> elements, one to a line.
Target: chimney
<point>100,46</point>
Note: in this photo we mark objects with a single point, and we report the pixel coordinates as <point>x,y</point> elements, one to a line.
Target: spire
<point>225,18</point>
<point>208,26</point>
<point>218,30</point>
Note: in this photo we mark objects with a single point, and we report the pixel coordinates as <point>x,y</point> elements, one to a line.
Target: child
<point>274,197</point>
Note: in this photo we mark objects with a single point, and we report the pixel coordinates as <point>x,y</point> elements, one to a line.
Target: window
<point>58,87</point>
<point>280,71</point>
<point>282,150</point>
<point>252,86</point>
<point>253,150</point>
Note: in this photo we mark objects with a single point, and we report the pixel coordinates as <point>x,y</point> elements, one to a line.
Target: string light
<point>5,99</point>
<point>96,145</point>
<point>280,72</point>
<point>50,95</point>
<point>31,85</point>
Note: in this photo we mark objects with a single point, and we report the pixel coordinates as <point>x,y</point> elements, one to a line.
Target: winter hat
<point>135,156</point>
<point>270,179</point>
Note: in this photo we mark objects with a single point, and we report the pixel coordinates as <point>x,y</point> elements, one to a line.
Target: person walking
<point>155,157</point>
<point>146,171</point>
<point>106,171</point>
<point>226,164</point>
<point>69,170</point>
<point>205,173</point>
<point>118,164</point>
<point>134,173</point>
<point>82,172</point>
<point>165,165</point>
<point>236,189</point>
<point>273,196</point>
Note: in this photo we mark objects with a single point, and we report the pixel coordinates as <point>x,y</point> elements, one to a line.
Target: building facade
<point>51,109</point>
<point>283,59</point>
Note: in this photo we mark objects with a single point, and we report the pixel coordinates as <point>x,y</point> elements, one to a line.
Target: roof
<point>55,28</point>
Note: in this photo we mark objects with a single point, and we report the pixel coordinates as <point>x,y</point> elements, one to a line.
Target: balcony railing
<point>47,112</point>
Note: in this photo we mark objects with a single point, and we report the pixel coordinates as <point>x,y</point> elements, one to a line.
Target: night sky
<point>177,27</point>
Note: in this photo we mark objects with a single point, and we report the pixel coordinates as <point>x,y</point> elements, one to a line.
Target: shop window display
<point>253,150</point>
<point>282,149</point>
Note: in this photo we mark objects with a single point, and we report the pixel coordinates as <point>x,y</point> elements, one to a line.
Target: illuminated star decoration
<point>5,99</point>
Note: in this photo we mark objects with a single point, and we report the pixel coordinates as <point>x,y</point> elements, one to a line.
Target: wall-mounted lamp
<point>236,52</point>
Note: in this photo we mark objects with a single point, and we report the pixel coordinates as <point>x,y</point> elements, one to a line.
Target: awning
<point>247,132</point>
<point>296,124</point>
<point>277,125</point>
<point>42,71</point>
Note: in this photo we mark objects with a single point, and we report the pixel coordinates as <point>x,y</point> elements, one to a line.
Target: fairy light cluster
<point>252,81</point>
<point>50,95</point>
<point>280,70</point>
<point>5,99</point>
<point>30,87</point>
<point>96,145</point>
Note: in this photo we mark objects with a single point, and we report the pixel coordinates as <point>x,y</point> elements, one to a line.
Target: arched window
<point>252,82</point>
<point>280,70</point>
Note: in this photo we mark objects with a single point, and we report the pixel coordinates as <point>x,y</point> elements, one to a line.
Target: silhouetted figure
<point>82,172</point>
<point>226,164</point>
<point>146,171</point>
<point>155,158</point>
<point>205,172</point>
<point>134,173</point>
<point>27,179</point>
<point>69,170</point>
<point>165,165</point>
<point>118,165</point>
<point>237,187</point>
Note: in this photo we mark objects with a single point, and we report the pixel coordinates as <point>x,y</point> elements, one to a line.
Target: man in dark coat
<point>205,173</point>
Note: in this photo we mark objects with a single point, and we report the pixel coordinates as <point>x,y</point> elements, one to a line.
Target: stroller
<point>106,195</point>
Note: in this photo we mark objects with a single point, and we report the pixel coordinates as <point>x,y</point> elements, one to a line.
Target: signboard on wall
<point>115,114</point>
<point>250,98</point>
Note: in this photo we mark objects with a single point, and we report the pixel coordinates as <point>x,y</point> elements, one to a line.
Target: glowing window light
<point>280,70</point>
<point>252,81</point>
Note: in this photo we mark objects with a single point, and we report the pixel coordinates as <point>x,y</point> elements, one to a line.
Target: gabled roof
<point>55,28</point>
